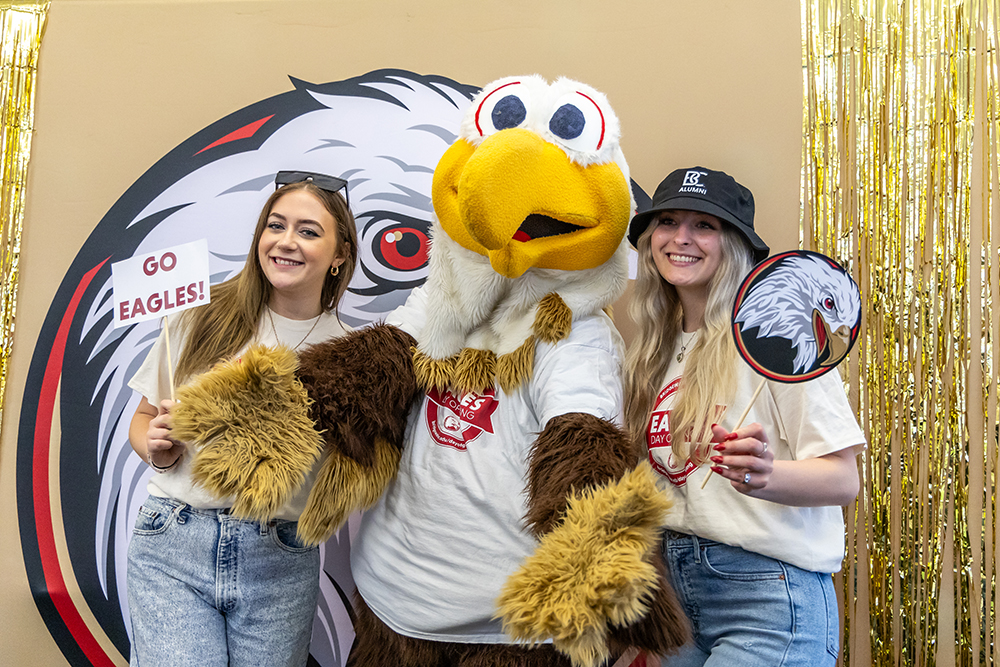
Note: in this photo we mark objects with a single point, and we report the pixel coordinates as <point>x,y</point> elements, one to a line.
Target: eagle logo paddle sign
<point>796,316</point>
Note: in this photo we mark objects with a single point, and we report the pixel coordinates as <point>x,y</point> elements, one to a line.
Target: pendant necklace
<point>686,339</point>
<point>275,331</point>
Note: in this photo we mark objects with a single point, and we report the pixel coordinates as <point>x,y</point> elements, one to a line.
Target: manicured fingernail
<point>719,447</point>
<point>714,425</point>
<point>716,459</point>
<point>731,436</point>
<point>716,469</point>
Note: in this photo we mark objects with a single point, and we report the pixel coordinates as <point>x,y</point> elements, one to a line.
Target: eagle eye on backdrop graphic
<point>78,490</point>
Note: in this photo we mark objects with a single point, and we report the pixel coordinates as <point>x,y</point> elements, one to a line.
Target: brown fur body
<point>377,645</point>
<point>362,386</point>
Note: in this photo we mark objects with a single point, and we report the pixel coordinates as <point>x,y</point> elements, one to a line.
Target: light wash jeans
<point>748,610</point>
<point>206,589</point>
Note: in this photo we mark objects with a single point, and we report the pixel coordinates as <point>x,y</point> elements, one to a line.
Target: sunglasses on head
<point>321,181</point>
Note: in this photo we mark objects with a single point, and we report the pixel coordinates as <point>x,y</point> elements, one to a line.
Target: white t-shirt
<point>801,421</point>
<point>153,382</point>
<point>432,555</point>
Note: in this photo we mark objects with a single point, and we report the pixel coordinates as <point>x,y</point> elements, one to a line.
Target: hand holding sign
<point>796,316</point>
<point>160,283</point>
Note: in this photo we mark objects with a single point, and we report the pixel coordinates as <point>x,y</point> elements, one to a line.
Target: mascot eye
<point>828,303</point>
<point>403,248</point>
<point>509,112</point>
<point>578,123</point>
<point>502,109</point>
<point>568,122</point>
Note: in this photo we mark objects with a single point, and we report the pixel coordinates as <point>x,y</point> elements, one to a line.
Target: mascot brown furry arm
<point>596,518</point>
<point>260,422</point>
<point>361,388</point>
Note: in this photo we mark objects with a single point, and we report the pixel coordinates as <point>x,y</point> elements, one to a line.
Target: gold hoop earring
<point>334,270</point>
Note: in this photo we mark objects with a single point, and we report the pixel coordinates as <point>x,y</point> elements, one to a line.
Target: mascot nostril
<point>508,521</point>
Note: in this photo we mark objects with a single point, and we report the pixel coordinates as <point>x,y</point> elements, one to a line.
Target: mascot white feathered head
<point>537,178</point>
<point>532,204</point>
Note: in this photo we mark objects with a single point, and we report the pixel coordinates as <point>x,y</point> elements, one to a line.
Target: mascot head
<point>536,178</point>
<point>531,202</point>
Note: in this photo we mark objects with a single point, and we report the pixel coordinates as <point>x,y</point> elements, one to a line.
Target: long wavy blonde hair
<point>710,367</point>
<point>228,322</point>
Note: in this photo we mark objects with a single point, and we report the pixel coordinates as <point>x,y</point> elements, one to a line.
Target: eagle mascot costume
<point>507,522</point>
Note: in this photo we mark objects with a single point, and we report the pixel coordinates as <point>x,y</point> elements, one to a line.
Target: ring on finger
<point>746,478</point>
<point>764,450</point>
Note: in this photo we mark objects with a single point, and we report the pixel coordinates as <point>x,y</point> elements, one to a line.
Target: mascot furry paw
<point>518,529</point>
<point>224,413</point>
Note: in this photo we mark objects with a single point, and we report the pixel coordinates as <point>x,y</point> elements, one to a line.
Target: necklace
<point>275,331</point>
<point>686,339</point>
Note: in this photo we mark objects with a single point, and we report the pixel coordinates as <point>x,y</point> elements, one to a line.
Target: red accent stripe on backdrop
<point>54,581</point>
<point>242,133</point>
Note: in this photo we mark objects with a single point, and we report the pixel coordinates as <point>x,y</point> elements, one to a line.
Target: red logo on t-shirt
<point>455,421</point>
<point>659,438</point>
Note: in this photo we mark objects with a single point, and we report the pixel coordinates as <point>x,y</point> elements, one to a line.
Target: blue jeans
<point>748,610</point>
<point>207,589</point>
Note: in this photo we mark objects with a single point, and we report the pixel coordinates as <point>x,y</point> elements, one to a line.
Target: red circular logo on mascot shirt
<point>455,421</point>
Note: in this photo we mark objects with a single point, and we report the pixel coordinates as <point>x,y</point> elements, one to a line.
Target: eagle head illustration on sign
<point>796,316</point>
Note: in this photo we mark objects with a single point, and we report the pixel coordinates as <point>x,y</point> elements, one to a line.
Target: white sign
<point>155,284</point>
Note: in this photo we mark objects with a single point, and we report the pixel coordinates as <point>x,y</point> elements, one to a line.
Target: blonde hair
<point>228,322</point>
<point>710,367</point>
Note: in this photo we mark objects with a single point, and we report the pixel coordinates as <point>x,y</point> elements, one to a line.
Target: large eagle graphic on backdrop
<point>79,487</point>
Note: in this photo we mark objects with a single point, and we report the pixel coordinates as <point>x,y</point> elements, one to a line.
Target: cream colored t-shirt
<point>804,420</point>
<point>152,381</point>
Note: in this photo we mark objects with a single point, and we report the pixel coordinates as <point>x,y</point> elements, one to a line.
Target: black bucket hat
<point>713,192</point>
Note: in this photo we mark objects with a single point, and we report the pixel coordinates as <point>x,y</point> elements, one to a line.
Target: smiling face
<point>687,250</point>
<point>297,249</point>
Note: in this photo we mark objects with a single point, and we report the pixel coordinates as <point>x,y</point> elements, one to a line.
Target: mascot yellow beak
<point>520,201</point>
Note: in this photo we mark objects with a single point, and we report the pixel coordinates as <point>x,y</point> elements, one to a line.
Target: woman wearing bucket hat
<point>752,551</point>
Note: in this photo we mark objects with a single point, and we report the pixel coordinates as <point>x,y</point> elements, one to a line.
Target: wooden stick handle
<point>739,423</point>
<point>170,365</point>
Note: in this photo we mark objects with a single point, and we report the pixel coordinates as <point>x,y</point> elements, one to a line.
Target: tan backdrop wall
<point>122,82</point>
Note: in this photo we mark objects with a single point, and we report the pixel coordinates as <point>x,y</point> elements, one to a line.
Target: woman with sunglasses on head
<point>751,551</point>
<point>204,587</point>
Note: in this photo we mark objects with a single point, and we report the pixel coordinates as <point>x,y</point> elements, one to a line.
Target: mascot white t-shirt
<point>803,420</point>
<point>473,446</point>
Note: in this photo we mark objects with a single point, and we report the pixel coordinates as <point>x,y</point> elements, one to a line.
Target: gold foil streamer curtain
<point>21,27</point>
<point>900,183</point>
